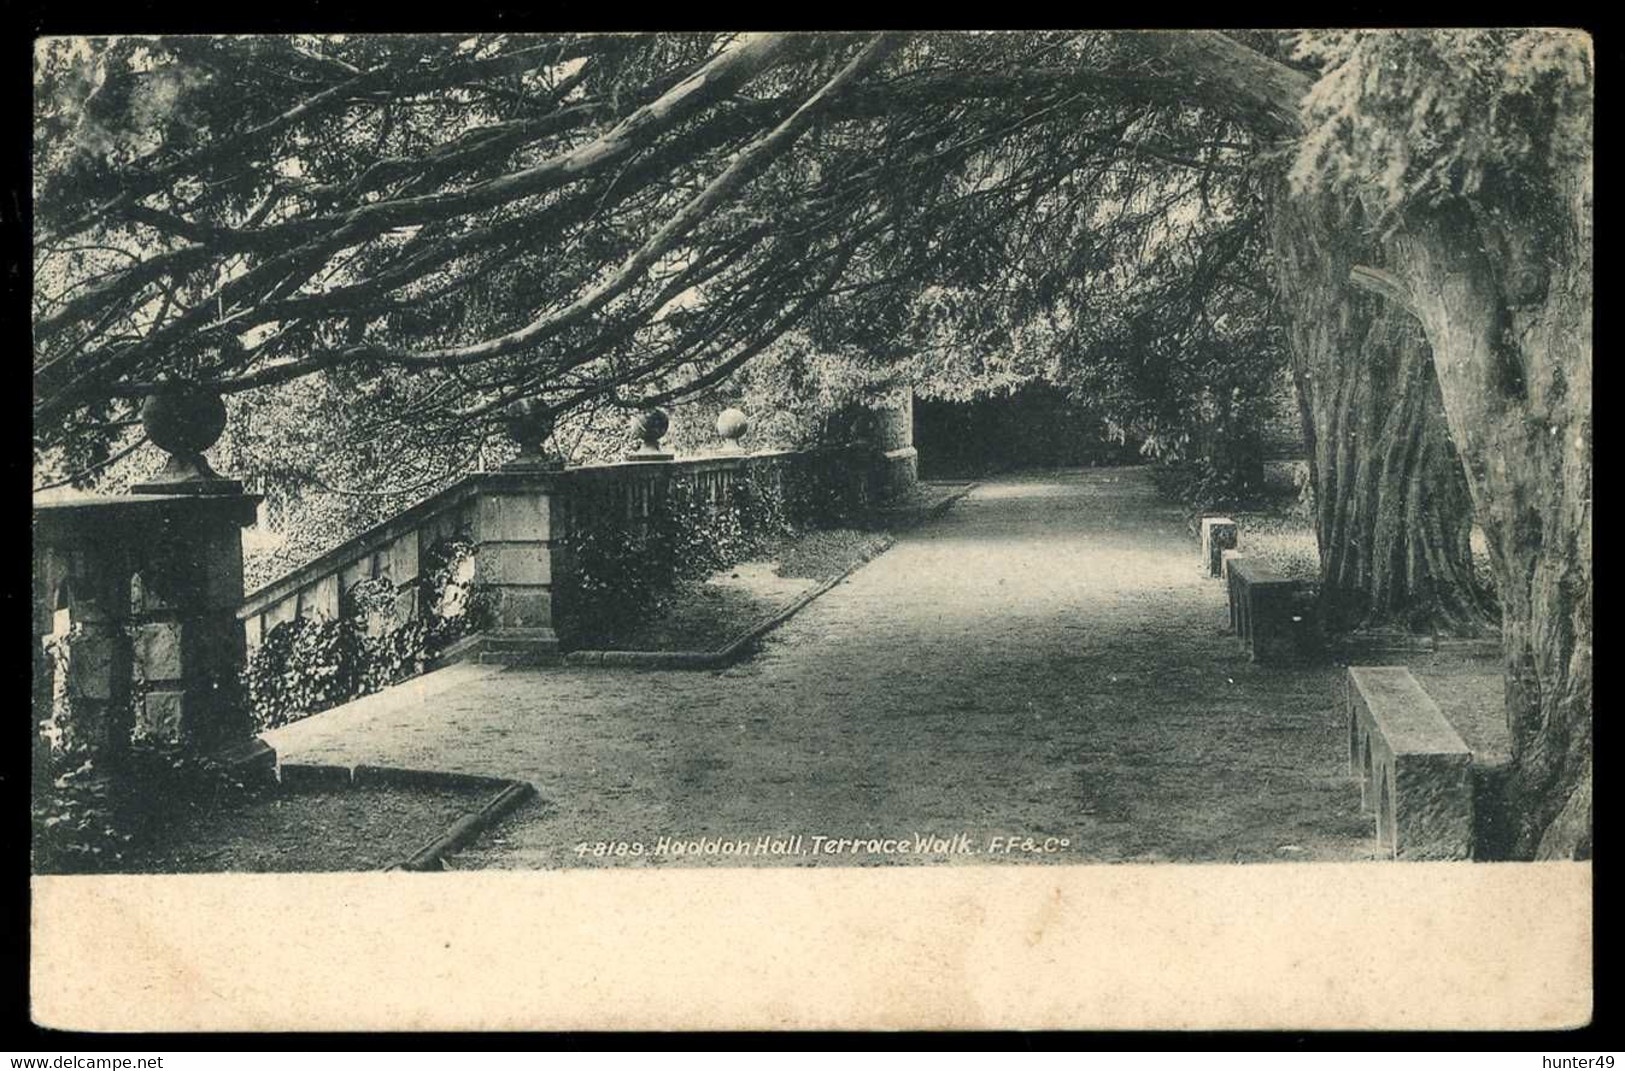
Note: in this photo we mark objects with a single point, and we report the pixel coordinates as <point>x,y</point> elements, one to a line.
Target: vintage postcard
<point>866,530</point>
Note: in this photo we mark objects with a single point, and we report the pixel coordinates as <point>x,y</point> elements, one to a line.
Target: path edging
<point>431,855</point>
<point>734,649</point>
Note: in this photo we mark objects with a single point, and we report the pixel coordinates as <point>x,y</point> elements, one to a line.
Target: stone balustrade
<point>141,627</point>
<point>518,521</point>
<point>151,582</point>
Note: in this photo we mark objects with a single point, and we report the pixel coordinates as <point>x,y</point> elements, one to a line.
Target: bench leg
<point>1432,813</point>
<point>1387,825</point>
<point>1271,637</point>
<point>1368,776</point>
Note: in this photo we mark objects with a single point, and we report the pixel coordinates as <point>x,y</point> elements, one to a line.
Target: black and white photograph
<point>562,457</point>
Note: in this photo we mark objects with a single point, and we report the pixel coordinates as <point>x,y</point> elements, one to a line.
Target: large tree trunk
<point>1392,512</point>
<point>1503,289</point>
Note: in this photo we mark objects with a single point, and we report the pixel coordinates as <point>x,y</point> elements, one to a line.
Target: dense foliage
<point>309,664</point>
<point>1421,116</point>
<point>190,188</point>
<point>625,569</point>
<point>424,229</point>
<point>95,798</point>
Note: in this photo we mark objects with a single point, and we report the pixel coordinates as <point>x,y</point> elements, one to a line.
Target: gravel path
<point>1044,661</point>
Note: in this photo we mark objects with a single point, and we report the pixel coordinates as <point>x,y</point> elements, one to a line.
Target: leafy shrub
<point>820,491</point>
<point>623,571</point>
<point>73,824</point>
<point>95,798</point>
<point>308,665</point>
<point>1435,114</point>
<point>615,576</point>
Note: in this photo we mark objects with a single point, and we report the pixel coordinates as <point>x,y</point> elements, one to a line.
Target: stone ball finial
<point>530,422</point>
<point>184,419</point>
<point>650,426</point>
<point>732,424</point>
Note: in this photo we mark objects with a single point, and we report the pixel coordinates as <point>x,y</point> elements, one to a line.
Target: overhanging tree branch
<point>745,165</point>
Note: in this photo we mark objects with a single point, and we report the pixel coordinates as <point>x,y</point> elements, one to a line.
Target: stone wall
<point>517,522</point>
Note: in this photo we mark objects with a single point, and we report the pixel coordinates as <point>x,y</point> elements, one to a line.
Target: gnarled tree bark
<point>1393,517</point>
<point>1503,288</point>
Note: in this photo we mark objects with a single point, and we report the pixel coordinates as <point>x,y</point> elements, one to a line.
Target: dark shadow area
<point>1036,427</point>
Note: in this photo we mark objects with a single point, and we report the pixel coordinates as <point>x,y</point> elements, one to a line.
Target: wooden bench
<point>1272,615</point>
<point>1415,771</point>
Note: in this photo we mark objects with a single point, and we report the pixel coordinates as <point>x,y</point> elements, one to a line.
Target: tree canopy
<point>444,225</point>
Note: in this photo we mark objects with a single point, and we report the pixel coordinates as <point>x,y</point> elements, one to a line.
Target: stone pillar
<point>156,577</point>
<point>899,464</point>
<point>518,521</point>
<point>187,648</point>
<point>155,580</point>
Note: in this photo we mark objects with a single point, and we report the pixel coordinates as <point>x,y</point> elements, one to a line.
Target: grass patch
<point>826,553</point>
<point>278,829</point>
<point>1280,533</point>
<point>707,614</point>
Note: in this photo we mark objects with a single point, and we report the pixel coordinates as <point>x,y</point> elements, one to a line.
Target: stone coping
<point>1402,711</point>
<point>60,515</point>
<point>1253,572</point>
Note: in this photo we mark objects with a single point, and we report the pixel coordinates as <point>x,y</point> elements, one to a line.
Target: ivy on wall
<point>74,828</point>
<point>308,665</point>
<point>624,569</point>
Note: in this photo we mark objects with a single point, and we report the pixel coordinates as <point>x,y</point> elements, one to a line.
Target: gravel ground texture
<point>1043,661</point>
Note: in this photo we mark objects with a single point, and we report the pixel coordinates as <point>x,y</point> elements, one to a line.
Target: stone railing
<point>518,521</point>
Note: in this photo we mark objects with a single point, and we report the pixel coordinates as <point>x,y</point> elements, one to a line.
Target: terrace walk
<point>1044,660</point>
